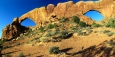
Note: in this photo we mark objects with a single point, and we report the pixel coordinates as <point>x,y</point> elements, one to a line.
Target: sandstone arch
<point>94,12</point>
<point>27,22</point>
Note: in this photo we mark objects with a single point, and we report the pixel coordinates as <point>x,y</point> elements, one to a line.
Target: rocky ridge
<point>43,15</point>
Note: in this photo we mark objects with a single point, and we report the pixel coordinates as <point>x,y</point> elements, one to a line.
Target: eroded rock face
<point>13,30</point>
<point>42,16</point>
<point>69,9</point>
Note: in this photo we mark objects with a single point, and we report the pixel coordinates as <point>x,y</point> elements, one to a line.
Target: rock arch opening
<point>28,22</point>
<point>94,15</point>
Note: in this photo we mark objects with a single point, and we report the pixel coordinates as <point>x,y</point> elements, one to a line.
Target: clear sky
<point>9,9</point>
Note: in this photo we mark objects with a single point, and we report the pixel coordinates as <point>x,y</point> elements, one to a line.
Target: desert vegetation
<point>59,32</point>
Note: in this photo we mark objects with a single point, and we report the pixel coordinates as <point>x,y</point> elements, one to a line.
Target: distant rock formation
<point>42,16</point>
<point>13,30</point>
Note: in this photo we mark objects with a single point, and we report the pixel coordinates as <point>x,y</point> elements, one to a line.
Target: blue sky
<point>9,9</point>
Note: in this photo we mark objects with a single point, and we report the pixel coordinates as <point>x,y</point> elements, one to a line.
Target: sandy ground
<point>74,44</point>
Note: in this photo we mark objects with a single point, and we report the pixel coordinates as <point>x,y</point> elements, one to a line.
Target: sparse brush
<point>5,47</point>
<point>63,19</point>
<point>95,31</point>
<point>95,25</point>
<point>106,31</point>
<point>64,35</point>
<point>111,42</point>
<point>84,32</point>
<point>54,32</point>
<point>17,44</point>
<point>48,34</point>
<point>8,55</point>
<point>110,34</point>
<point>75,19</point>
<point>44,39</point>
<point>82,24</point>
<point>41,29</point>
<point>54,50</point>
<point>28,32</point>
<point>50,26</point>
<point>73,29</point>
<point>21,55</point>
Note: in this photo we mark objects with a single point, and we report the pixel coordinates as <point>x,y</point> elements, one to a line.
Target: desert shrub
<point>80,33</point>
<point>106,31</point>
<point>21,55</point>
<point>48,34</point>
<point>111,42</point>
<point>41,29</point>
<point>84,31</point>
<point>63,19</point>
<point>89,31</point>
<point>110,34</point>
<point>8,55</point>
<point>17,44</point>
<point>64,35</point>
<point>95,31</point>
<point>75,19</point>
<point>28,42</point>
<point>110,23</point>
<point>73,29</point>
<point>82,24</point>
<point>95,25</point>
<point>44,39</point>
<point>54,50</point>
<point>28,32</point>
<point>56,31</point>
<point>50,26</point>
<point>1,42</point>
<point>55,25</point>
<point>5,47</point>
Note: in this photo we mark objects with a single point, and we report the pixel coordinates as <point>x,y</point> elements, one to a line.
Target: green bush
<point>54,50</point>
<point>55,25</point>
<point>64,35</point>
<point>96,25</point>
<point>21,55</point>
<point>110,34</point>
<point>106,31</point>
<point>63,19</point>
<point>110,23</point>
<point>82,24</point>
<point>75,19</point>
<point>1,42</point>
<point>48,34</point>
<point>73,28</point>
<point>44,39</point>
<point>28,33</point>
<point>56,31</point>
<point>50,26</point>
<point>80,33</point>
<point>8,55</point>
<point>41,29</point>
<point>111,42</point>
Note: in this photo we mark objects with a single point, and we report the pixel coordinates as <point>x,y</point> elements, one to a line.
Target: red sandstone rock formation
<point>13,30</point>
<point>41,16</point>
